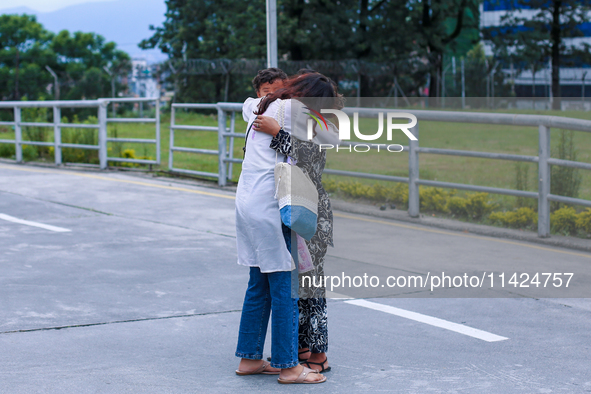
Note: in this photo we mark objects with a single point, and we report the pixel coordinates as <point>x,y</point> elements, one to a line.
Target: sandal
<point>302,378</point>
<point>327,369</point>
<point>259,371</point>
<point>301,360</point>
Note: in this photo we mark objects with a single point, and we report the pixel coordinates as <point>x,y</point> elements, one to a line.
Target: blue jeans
<point>269,292</point>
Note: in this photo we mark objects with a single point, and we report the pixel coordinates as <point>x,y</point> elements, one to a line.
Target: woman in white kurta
<point>261,244</point>
<point>259,236</point>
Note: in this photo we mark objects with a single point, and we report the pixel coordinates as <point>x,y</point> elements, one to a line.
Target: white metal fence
<point>57,126</point>
<point>542,122</point>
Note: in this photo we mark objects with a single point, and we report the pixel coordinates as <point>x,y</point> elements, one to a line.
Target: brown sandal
<point>259,371</point>
<point>302,378</point>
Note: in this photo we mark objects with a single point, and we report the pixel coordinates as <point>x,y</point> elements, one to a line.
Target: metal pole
<point>112,89</point>
<point>583,89</point>
<point>492,86</point>
<point>171,142</point>
<point>102,134</point>
<point>272,33</point>
<point>463,87</point>
<point>395,93</point>
<point>56,89</point>
<point>543,182</point>
<point>221,147</point>
<point>453,66</point>
<point>57,135</point>
<point>158,132</point>
<point>231,148</point>
<point>443,87</point>
<point>413,174</point>
<point>18,137</point>
<point>358,89</point>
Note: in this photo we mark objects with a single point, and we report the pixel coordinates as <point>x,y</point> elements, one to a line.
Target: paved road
<point>143,295</point>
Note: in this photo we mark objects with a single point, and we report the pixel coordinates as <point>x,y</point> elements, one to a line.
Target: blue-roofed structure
<point>527,84</point>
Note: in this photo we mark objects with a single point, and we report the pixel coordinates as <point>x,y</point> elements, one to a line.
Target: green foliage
<point>29,153</point>
<point>522,183</point>
<point>20,37</point>
<point>380,31</point>
<point>565,181</point>
<point>583,221</point>
<point>35,133</point>
<point>478,205</point>
<point>80,136</point>
<point>7,150</point>
<point>376,192</point>
<point>457,206</point>
<point>520,218</point>
<point>563,220</point>
<point>78,59</point>
<point>434,199</point>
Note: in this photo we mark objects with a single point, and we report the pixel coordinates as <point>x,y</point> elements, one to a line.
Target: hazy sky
<point>43,5</point>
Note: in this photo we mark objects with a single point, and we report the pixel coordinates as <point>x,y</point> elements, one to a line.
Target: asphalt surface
<point>143,294</point>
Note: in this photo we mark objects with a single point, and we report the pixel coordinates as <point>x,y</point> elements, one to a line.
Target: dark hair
<point>311,85</point>
<point>268,75</point>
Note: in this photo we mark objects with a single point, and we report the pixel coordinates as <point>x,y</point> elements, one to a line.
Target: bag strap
<point>246,140</point>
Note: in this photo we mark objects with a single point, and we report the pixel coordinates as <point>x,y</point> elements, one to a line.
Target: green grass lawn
<point>475,137</point>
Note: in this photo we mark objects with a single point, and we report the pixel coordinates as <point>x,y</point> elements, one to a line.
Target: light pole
<point>56,89</point>
<point>272,33</point>
<point>108,71</point>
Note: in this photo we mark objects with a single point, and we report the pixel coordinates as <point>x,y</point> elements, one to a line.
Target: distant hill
<point>122,21</point>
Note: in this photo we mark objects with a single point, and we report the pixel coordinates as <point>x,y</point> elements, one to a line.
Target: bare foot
<point>294,372</point>
<point>247,365</point>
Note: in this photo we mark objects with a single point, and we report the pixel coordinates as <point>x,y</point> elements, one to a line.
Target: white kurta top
<point>259,238</point>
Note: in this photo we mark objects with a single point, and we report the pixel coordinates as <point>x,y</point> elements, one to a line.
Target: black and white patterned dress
<point>313,331</point>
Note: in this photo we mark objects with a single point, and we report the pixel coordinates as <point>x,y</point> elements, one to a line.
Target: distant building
<point>142,81</point>
<point>574,81</point>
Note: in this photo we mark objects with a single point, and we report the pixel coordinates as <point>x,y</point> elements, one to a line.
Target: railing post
<point>102,134</point>
<point>413,174</point>
<point>543,182</point>
<point>221,147</point>
<point>157,131</point>
<point>57,135</point>
<point>18,137</point>
<point>230,153</point>
<point>171,141</point>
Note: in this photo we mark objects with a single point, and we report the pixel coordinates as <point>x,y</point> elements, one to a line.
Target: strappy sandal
<point>259,371</point>
<point>302,378</point>
<point>321,366</point>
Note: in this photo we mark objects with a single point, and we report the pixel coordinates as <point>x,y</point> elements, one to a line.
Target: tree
<point>19,34</point>
<point>81,59</point>
<point>540,37</point>
<point>439,24</point>
<point>26,48</point>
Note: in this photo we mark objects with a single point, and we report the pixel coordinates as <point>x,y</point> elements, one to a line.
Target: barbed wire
<point>342,67</point>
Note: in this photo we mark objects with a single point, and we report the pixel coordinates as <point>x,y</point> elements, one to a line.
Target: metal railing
<point>542,122</point>
<point>225,156</point>
<point>57,125</point>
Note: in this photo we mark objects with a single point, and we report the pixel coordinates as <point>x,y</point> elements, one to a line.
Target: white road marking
<point>433,321</point>
<point>34,224</point>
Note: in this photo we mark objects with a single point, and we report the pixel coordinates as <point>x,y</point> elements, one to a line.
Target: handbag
<point>296,193</point>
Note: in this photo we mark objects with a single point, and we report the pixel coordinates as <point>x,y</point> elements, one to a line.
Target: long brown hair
<point>310,85</point>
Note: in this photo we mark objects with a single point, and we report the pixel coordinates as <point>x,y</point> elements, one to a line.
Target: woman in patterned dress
<point>313,328</point>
